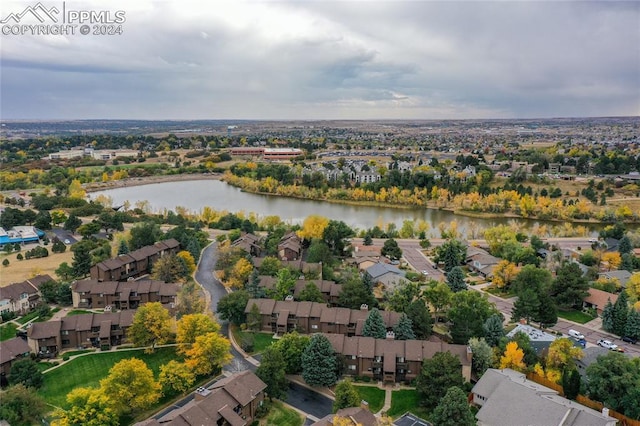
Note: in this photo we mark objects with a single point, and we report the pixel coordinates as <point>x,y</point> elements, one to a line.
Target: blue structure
<point>21,235</point>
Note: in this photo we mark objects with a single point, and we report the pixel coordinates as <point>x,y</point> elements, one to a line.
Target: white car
<point>608,344</point>
<point>425,272</point>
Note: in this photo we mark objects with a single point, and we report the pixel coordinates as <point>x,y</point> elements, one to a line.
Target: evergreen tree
<point>482,357</point>
<point>311,293</point>
<point>193,247</point>
<point>452,253</point>
<point>420,318</point>
<point>26,372</point>
<point>571,383</point>
<point>607,317</point>
<point>319,362</point>
<point>632,328</point>
<point>81,262</point>
<point>437,375</point>
<point>391,249</point>
<point>355,293</point>
<point>625,246</point>
<point>404,329</point>
<point>271,372</point>
<point>367,240</point>
<point>453,409</point>
<point>620,313</point>
<point>455,279</point>
<point>374,325</point>
<point>123,248</point>
<point>254,318</point>
<point>493,329</point>
<point>346,396</point>
<point>526,306</point>
<point>569,287</point>
<point>367,281</point>
<point>547,314</point>
<point>253,286</point>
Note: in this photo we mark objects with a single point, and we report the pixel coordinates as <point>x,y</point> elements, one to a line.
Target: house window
<point>65,341</point>
<point>400,359</point>
<point>378,359</point>
<point>65,332</point>
<point>353,357</point>
<point>314,326</point>
<point>352,367</point>
<point>101,294</point>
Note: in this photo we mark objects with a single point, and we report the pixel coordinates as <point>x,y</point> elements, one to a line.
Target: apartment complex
<point>122,295</point>
<point>12,350</point>
<point>134,264</point>
<point>22,297</point>
<point>330,289</point>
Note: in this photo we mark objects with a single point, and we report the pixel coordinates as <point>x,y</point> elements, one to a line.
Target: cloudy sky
<point>329,60</point>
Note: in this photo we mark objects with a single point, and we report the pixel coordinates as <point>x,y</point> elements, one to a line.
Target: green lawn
<point>406,400</point>
<point>260,340</point>
<point>575,316</point>
<point>45,365</point>
<point>77,312</point>
<point>72,353</point>
<point>86,371</point>
<point>279,415</point>
<point>373,395</point>
<point>28,317</point>
<point>8,331</point>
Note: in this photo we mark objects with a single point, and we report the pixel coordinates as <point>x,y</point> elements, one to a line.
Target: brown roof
<point>13,291</point>
<point>230,416</point>
<point>38,280</point>
<point>599,298</point>
<point>12,349</point>
<point>113,287</point>
<point>243,386</point>
<point>44,330</point>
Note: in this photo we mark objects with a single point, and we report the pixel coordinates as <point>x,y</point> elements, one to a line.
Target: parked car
<point>576,334</point>
<point>608,344</point>
<point>629,339</point>
<point>425,272</point>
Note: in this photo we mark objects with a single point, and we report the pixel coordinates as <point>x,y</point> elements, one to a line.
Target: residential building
<point>597,299</point>
<point>355,416</point>
<point>480,261</point>
<point>589,356</point>
<point>621,275</point>
<point>330,289</point>
<point>79,331</point>
<point>310,317</point>
<point>290,247</point>
<point>11,351</point>
<point>232,401</point>
<point>385,274</point>
<point>367,176</point>
<point>22,297</point>
<point>391,360</point>
<point>134,264</point>
<point>250,243</point>
<point>539,340</point>
<point>122,295</point>
<point>506,397</point>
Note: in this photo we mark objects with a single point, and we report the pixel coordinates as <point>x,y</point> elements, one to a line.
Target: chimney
<point>364,405</point>
<point>469,354</point>
<point>201,393</point>
<point>289,298</point>
<point>364,307</point>
<point>391,335</point>
<point>605,411</point>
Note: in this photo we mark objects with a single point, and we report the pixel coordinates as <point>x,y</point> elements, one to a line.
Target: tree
<point>190,299</point>
<point>81,262</point>
<point>87,406</point>
<point>614,380</point>
<point>469,310</point>
<point>253,286</point>
<point>355,293</point>
<point>482,355</point>
<point>43,220</point>
<point>189,262</point>
<point>452,253</point>
<point>292,346</point>
<point>25,371</point>
<point>311,293</point>
<point>607,316</point>
<point>524,343</point>
<point>88,229</point>
<point>144,234</point>
<point>571,383</point>
<point>208,353</point>
<point>49,291</point>
<point>455,279</point>
<point>453,410</point>
<point>232,305</point>
<point>191,326</point>
<point>313,227</point>
<point>439,296</point>
<point>624,245</point>
<point>169,268</point>
<point>633,287</point>
<point>632,328</point>
<point>512,357</point>
<point>239,274</point>
<point>613,259</point>
<point>254,318</point>
<point>335,235</point>
<point>620,313</point>
<point>391,249</point>
<point>319,362</point>
<point>504,273</point>
<point>374,325</point>
<point>404,329</point>
<point>64,272</point>
<point>402,295</point>
<point>75,190</point>
<point>346,396</point>
<point>270,266</point>
<point>151,325</point>
<point>318,252</point>
<point>493,329</point>
<point>130,386</point>
<point>272,372</point>
<point>285,282</point>
<point>562,354</point>
<point>569,288</point>
<point>72,223</point>
<point>437,375</point>
<point>123,248</point>
<point>420,317</point>
<point>367,241</point>
<point>175,377</point>
<point>22,406</point>
<point>526,306</point>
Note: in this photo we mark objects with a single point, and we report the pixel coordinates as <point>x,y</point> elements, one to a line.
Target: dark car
<point>629,339</point>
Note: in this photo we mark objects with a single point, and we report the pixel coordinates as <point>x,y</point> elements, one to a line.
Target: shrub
<point>65,358</point>
<point>5,262</point>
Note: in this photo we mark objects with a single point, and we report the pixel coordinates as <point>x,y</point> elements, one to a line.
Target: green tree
<point>614,380</point>
<point>81,264</point>
<point>22,406</point>
<point>88,229</point>
<point>632,327</point>
<point>526,306</point>
<point>355,293</point>
<point>272,372</point>
<point>270,266</point>
<point>170,269</point>
<point>151,325</point>
<point>569,287</point>
<point>607,317</point>
<point>401,296</point>
<point>335,236</point>
<point>231,306</point>
<point>439,296</point>
<point>367,241</point>
<point>374,325</point>
<point>453,410</point>
<point>144,234</point>
<point>43,220</point>
<point>404,329</point>
<point>64,272</point>
<point>131,386</point>
<point>620,313</point>
<point>72,223</point>
<point>253,286</point>
<point>292,346</point>
<point>391,249</point>
<point>482,357</point>
<point>254,318</point>
<point>285,282</point>
<point>123,248</point>
<point>420,319</point>
<point>437,375</point>
<point>468,313</point>
<point>25,371</point>
<point>455,279</point>
<point>452,253</point>
<point>524,343</point>
<point>319,362</point>
<point>493,329</point>
<point>311,293</point>
<point>571,383</point>
<point>319,251</point>
<point>346,396</point>
<point>625,246</point>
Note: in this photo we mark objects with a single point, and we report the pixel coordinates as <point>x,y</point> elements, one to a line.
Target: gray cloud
<point>287,60</point>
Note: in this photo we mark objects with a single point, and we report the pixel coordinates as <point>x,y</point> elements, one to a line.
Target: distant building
<point>539,339</point>
<point>597,299</point>
<point>122,295</point>
<point>22,297</point>
<point>10,351</point>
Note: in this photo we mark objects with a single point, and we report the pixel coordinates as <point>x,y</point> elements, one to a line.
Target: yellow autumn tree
<point>76,190</point>
<point>87,406</point>
<point>131,386</point>
<point>209,352</point>
<point>512,357</point>
<point>633,287</point>
<point>504,273</point>
<point>612,259</point>
<point>239,274</point>
<point>189,262</point>
<point>175,377</point>
<point>562,353</point>
<point>313,227</point>
<point>191,326</point>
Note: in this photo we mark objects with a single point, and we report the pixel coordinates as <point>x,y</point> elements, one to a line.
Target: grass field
<point>87,371</point>
<point>260,340</point>
<point>279,415</point>
<point>77,312</point>
<point>8,331</point>
<point>373,395</point>
<point>406,400</point>
<point>20,270</point>
<point>575,316</point>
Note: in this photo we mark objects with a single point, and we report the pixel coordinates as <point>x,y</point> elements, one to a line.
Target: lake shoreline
<point>148,180</point>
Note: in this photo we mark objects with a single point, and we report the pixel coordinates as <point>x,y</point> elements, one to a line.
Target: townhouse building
<point>122,295</point>
<point>330,289</point>
<point>290,247</point>
<point>12,350</point>
<point>22,297</point>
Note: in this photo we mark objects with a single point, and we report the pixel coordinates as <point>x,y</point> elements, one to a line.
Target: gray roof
<point>621,274</point>
<point>380,269</point>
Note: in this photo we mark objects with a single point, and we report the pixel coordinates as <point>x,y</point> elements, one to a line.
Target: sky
<point>306,59</point>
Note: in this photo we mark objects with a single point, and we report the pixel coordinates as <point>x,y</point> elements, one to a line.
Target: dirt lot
<point>20,270</point>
